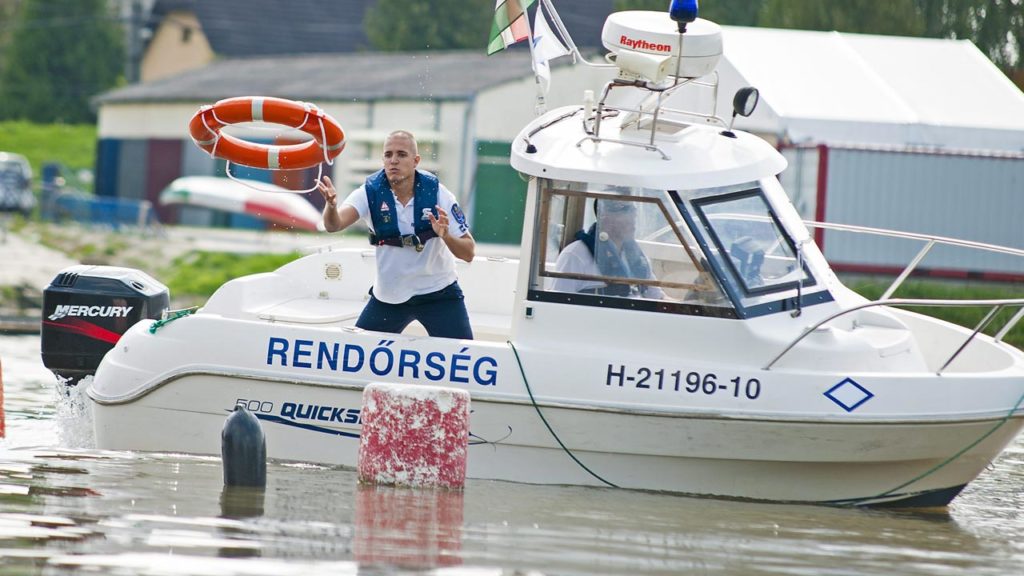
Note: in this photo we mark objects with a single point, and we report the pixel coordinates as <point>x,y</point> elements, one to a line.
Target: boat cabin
<point>720,252</point>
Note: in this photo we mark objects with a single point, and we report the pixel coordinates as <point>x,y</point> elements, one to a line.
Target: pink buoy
<point>414,435</point>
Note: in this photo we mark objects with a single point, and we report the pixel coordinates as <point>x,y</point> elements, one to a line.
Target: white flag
<point>546,46</point>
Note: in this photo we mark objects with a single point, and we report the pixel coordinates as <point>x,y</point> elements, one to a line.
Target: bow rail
<point>929,241</point>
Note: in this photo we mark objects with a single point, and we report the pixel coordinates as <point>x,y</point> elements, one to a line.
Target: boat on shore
<point>736,365</point>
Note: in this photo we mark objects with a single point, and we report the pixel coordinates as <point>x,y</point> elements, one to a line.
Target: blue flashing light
<point>683,12</point>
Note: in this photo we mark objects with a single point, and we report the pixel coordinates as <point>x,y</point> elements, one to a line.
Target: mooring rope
<point>921,476</point>
<point>171,316</point>
<point>960,453</point>
<point>547,425</point>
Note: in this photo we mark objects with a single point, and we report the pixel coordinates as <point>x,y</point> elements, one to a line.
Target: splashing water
<point>73,416</point>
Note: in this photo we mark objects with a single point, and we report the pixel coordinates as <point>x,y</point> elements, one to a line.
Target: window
<point>617,246</point>
<point>745,230</point>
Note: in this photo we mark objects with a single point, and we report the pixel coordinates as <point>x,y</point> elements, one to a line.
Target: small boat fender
<point>243,450</point>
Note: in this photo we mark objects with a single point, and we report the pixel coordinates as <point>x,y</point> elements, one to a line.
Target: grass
<point>964,316</point>
<point>73,145</point>
<point>198,274</point>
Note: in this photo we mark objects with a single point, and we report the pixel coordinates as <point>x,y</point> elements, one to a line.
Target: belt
<point>414,240</point>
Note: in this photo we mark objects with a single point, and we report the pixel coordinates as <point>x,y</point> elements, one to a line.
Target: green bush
<point>199,274</point>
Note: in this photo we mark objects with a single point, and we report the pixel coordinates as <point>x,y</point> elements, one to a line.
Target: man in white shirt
<point>419,230</point>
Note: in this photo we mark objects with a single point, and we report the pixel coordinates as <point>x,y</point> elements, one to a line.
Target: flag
<point>510,25</point>
<point>546,46</point>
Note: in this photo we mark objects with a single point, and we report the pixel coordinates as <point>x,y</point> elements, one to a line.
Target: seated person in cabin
<point>608,249</point>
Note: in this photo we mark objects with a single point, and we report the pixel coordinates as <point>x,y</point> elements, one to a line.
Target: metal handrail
<point>885,300</point>
<point>929,239</point>
<point>997,305</point>
<point>655,114</point>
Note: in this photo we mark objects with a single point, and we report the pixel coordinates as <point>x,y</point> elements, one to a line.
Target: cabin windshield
<point>761,257</point>
<point>719,252</point>
<point>617,246</point>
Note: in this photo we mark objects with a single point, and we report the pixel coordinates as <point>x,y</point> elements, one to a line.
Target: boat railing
<point>659,115</point>
<point>929,241</point>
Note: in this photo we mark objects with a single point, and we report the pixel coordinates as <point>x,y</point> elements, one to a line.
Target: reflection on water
<point>69,509</point>
<point>408,528</point>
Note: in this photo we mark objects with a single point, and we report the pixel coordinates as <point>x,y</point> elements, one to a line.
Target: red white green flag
<point>510,24</point>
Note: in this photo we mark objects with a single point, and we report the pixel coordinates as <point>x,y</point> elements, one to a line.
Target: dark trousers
<point>442,313</point>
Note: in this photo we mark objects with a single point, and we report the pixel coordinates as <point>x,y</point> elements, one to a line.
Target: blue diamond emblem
<point>849,395</point>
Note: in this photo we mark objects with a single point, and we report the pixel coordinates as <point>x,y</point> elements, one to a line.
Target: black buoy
<point>243,450</point>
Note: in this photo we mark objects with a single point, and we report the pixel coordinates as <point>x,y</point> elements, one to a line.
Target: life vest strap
<point>406,240</point>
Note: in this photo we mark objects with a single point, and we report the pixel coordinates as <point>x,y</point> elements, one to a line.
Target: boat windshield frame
<point>676,232</point>
<point>749,290</point>
<point>567,205</point>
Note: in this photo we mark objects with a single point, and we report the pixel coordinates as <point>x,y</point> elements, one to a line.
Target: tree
<point>730,12</point>
<point>62,53</point>
<point>398,25</point>
<point>995,26</point>
<point>891,17</point>
<point>8,13</point>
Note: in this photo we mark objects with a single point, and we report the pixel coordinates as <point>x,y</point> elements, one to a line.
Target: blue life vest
<point>384,212</point>
<point>610,262</point>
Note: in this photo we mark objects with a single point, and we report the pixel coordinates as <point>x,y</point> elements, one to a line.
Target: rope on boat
<point>921,476</point>
<point>546,424</point>
<point>960,453</point>
<point>171,316</point>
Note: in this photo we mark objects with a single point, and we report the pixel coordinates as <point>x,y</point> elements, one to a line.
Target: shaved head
<point>405,135</point>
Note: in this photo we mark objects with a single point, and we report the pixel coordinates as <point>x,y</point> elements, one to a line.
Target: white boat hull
<point>820,462</point>
<point>766,452</point>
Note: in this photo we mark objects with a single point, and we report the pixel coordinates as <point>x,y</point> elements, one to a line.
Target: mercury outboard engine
<point>86,309</point>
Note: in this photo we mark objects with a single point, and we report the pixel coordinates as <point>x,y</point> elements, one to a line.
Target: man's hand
<point>335,218</point>
<point>326,188</point>
<point>439,224</point>
<point>464,247</point>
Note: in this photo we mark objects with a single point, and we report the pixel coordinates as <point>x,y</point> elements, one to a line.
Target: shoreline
<point>21,325</point>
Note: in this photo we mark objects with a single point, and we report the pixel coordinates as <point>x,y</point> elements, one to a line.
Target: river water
<point>68,509</point>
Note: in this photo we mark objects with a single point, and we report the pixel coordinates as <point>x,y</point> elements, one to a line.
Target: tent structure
<point>913,134</point>
<point>839,88</point>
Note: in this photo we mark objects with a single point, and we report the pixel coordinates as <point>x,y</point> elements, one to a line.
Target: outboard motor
<point>86,309</point>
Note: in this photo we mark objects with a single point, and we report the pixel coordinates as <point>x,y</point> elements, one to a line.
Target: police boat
<point>707,348</point>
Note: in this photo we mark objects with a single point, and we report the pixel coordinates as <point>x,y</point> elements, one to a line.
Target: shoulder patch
<point>457,213</point>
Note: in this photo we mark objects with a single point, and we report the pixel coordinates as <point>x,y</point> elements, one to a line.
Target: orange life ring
<point>328,137</point>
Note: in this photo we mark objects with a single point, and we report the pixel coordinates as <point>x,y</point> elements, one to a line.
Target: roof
<point>238,28</point>
<point>264,27</point>
<point>432,75</point>
<point>835,87</point>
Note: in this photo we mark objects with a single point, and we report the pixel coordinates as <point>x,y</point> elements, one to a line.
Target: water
<point>67,509</point>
